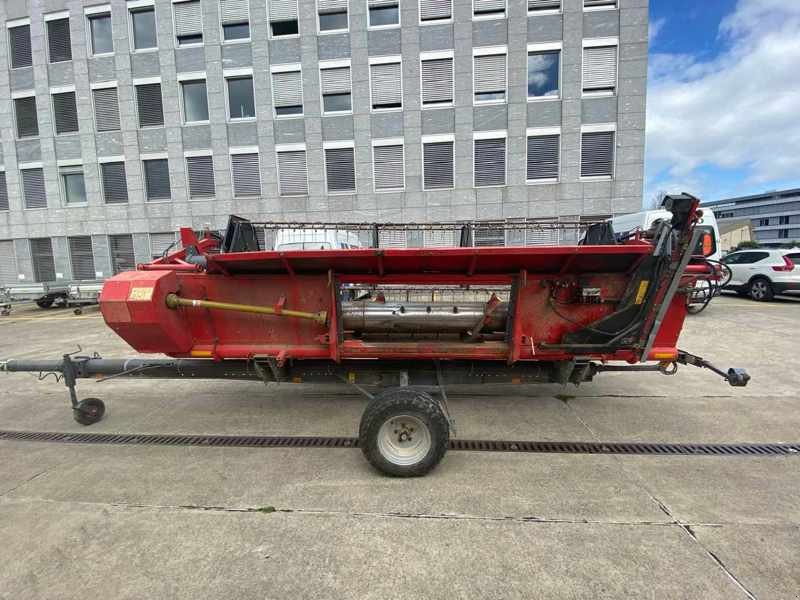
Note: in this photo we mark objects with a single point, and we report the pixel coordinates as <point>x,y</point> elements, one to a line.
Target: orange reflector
<point>665,355</point>
<point>201,353</point>
<point>708,245</point>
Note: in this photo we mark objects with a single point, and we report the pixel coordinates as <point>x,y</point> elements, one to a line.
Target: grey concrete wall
<point>569,197</point>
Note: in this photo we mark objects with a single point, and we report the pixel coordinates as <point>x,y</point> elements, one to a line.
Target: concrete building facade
<point>775,215</point>
<point>122,121</point>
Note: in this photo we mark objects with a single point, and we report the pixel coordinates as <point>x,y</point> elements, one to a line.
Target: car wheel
<point>761,289</point>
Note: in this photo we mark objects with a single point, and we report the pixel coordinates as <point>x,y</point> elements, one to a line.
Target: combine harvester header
<point>400,325</point>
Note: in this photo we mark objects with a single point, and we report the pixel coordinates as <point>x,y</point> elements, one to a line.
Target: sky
<point>723,106</point>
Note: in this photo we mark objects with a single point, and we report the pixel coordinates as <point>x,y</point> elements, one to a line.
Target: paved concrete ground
<point>169,522</point>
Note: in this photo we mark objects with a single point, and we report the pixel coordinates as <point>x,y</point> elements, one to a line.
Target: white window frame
<point>334,64</point>
<point>291,35</point>
<point>291,148</point>
<point>55,16</point>
<point>489,51</point>
<point>330,31</point>
<point>547,47</point>
<point>175,41</point>
<point>11,25</point>
<point>62,89</point>
<point>540,131</point>
<point>487,17</point>
<point>384,60</point>
<point>145,81</point>
<point>422,23</point>
<point>291,68</point>
<point>596,43</point>
<point>598,8</point>
<point>130,8</point>
<point>380,27</point>
<point>142,159</point>
<point>437,55</point>
<point>193,154</point>
<point>110,159</point>
<point>433,139</point>
<point>488,135</point>
<point>234,74</point>
<point>189,77</point>
<point>62,189</point>
<point>335,145</point>
<point>25,94</point>
<point>245,150</point>
<point>249,37</point>
<point>103,85</point>
<point>390,142</point>
<point>88,13</point>
<point>27,166</point>
<point>599,128</point>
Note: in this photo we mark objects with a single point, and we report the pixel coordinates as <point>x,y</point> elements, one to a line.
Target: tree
<point>747,245</point>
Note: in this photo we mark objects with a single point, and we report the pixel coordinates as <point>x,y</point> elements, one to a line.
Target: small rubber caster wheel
<point>404,433</point>
<point>77,311</point>
<point>89,411</point>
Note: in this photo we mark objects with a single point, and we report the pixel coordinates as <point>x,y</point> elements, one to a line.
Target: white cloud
<point>740,110</point>
<point>655,28</point>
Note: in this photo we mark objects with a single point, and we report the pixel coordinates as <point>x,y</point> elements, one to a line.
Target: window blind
<point>340,169</point>
<point>388,167</point>
<point>59,42</point>
<point>188,18</point>
<point>27,119</point>
<point>386,85</point>
<point>437,81</point>
<point>66,112</point>
<point>156,175</point>
<point>44,268</point>
<point>115,187</point>
<point>292,173</point>
<point>246,175</point>
<point>600,68</point>
<point>336,80</point>
<point>122,255</point>
<point>3,192</point>
<point>287,88</point>
<point>148,100</point>
<point>482,7</point>
<point>591,3</point>
<point>106,109</point>
<point>234,11</point>
<point>544,4</point>
<point>490,75</point>
<point>283,10</point>
<point>20,40</point>
<point>490,162</point>
<point>160,243</point>
<point>81,257</point>
<point>200,170</point>
<point>543,153</point>
<point>431,10</point>
<point>33,188</point>
<point>597,154</point>
<point>327,6</point>
<point>8,263</point>
<point>438,165</point>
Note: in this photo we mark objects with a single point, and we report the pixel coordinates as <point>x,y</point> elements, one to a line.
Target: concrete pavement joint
<point>22,483</point>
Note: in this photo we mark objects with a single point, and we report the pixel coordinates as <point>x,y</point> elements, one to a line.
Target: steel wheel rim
<point>404,440</point>
<point>759,289</point>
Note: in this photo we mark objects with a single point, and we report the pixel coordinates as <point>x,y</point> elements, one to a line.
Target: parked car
<point>761,273</point>
<point>315,239</point>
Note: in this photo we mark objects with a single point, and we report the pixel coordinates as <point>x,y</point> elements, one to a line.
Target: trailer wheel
<point>45,302</point>
<point>404,433</point>
<point>89,411</point>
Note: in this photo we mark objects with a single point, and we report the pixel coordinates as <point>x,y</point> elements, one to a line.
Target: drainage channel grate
<point>257,441</point>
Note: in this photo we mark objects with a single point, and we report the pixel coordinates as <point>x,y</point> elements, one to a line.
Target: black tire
<point>760,289</point>
<point>45,302</point>
<point>404,403</point>
<point>89,411</point>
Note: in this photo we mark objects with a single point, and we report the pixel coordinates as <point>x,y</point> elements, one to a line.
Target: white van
<point>315,239</point>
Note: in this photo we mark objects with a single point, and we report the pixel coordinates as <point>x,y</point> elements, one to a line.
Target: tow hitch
<point>735,377</point>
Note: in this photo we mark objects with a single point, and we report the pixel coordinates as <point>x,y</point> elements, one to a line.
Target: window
<point>195,101</point>
<point>437,79</point>
<point>33,188</point>
<point>235,17</point>
<point>25,113</point>
<point>745,258</point>
<point>489,8</point>
<point>489,73</point>
<point>3,192</point>
<point>287,90</point>
<point>783,234</point>
<point>156,179</point>
<point>66,112</point>
<point>200,170</point>
<point>386,85</point>
<point>388,165</point>
<point>44,267</point>
<point>148,101</point>
<point>292,171</point>
<point>597,154</point>
<point>332,15</point>
<point>246,174</point>
<point>435,10</point>
<point>72,185</point>
<point>241,102</point>
<point>188,22</point>
<point>599,68</point>
<point>81,257</point>
<point>101,36</point>
<point>763,222</point>
<point>539,5</point>
<point>161,244</point>
<point>283,18</point>
<point>544,73</point>
<point>437,164</point>
<point>340,169</point>
<point>489,160</point>
<point>59,43</point>
<point>384,13</point>
<point>599,3</point>
<point>335,84</point>
<point>106,109</point>
<point>783,220</point>
<point>143,26</point>
<point>115,186</point>
<point>122,256</point>
<point>543,157</point>
<point>19,38</point>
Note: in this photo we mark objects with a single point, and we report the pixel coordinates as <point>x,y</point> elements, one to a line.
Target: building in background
<point>125,120</point>
<point>775,216</point>
<point>733,232</point>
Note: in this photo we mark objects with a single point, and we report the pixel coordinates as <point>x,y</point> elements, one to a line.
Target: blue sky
<point>723,97</point>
